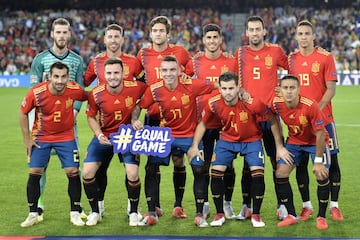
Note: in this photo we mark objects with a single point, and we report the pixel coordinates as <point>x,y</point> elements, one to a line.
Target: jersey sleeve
<point>318,119</point>
<point>189,68</point>
<point>259,108</point>
<point>206,114</point>
<point>147,99</point>
<point>283,59</point>
<point>89,75</point>
<point>202,87</point>
<point>92,107</point>
<point>36,72</point>
<point>330,69</point>
<point>28,102</point>
<point>80,80</point>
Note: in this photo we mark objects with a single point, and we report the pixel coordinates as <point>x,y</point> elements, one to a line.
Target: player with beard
<point>111,105</point>
<point>53,129</point>
<point>150,58</point>
<point>210,64</point>
<point>240,134</point>
<point>40,69</point>
<point>132,70</point>
<point>258,65</point>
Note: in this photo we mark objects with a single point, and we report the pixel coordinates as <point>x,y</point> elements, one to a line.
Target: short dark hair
<point>111,61</point>
<point>59,65</point>
<point>305,23</point>
<point>163,20</point>
<point>255,19</point>
<point>211,27</point>
<point>228,76</point>
<point>116,27</point>
<point>289,77</point>
<point>170,59</point>
<point>60,21</point>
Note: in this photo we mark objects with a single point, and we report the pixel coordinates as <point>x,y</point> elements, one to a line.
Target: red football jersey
<point>54,114</point>
<point>132,68</point>
<point>302,121</point>
<point>258,70</point>
<point>313,72</point>
<point>202,67</point>
<point>238,121</point>
<point>151,59</point>
<point>113,110</point>
<point>178,106</point>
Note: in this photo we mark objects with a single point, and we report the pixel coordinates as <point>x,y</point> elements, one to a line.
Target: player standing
<point>40,69</point>
<point>258,65</point>
<point>111,105</point>
<point>315,68</point>
<point>210,65</point>
<point>53,129</point>
<point>150,58</point>
<point>132,69</point>
<point>177,103</point>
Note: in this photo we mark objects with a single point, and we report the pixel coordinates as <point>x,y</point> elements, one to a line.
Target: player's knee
<point>282,171</point>
<point>72,172</point>
<point>178,161</point>
<point>151,168</point>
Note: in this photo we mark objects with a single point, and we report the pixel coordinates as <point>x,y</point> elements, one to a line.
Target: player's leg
<point>101,180</point>
<point>70,161</point>
<point>133,186</point>
<point>31,117</point>
<point>152,188</point>
<point>224,156</point>
<point>270,148</point>
<point>334,174</point>
<point>178,148</point>
<point>153,120</point>
<point>179,180</point>
<point>199,186</point>
<point>209,138</point>
<point>245,212</point>
<point>38,160</point>
<point>254,156</point>
<point>229,182</point>
<point>323,188</point>
<point>285,192</point>
<point>96,155</point>
<point>302,179</point>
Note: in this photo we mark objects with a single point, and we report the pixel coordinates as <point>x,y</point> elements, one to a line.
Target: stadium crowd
<point>24,34</point>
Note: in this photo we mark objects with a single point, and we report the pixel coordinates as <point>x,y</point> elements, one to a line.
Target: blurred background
<point>25,26</point>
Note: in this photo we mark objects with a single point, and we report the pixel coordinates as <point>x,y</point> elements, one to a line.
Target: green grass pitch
<point>14,173</point>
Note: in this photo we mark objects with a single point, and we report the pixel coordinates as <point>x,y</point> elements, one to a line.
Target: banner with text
<point>154,141</point>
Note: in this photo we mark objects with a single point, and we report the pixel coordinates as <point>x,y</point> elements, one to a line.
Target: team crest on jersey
<point>129,101</point>
<point>185,99</point>
<point>268,61</point>
<point>69,103</point>
<point>243,116</point>
<point>224,69</point>
<point>315,68</point>
<point>303,120</point>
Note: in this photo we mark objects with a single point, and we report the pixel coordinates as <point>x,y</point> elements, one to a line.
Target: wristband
<point>100,135</point>
<point>318,160</point>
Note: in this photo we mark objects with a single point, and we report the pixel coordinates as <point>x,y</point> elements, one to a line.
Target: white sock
<point>307,205</point>
<point>334,204</point>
